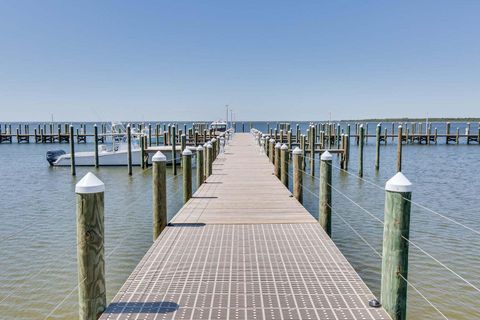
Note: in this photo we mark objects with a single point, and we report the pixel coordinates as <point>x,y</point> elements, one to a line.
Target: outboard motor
<point>53,155</point>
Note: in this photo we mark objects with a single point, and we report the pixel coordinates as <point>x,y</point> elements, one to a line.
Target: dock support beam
<point>284,166</point>
<point>159,180</point>
<point>187,174</point>
<point>325,215</point>
<point>297,174</point>
<point>395,246</point>
<point>90,247</point>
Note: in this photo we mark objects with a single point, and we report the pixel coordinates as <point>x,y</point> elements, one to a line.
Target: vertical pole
<point>129,149</point>
<point>399,149</point>
<point>447,132</point>
<point>72,153</point>
<point>142,151</point>
<point>325,215</point>
<point>284,166</point>
<point>271,150</point>
<point>95,142</point>
<point>159,187</point>
<point>174,149</point>
<point>187,174</point>
<point>395,246</point>
<point>200,166</point>
<point>149,135</point>
<point>297,174</point>
<point>313,139</point>
<point>90,247</point>
<point>377,155</point>
<point>277,159</point>
<point>209,159</point>
<point>360,150</point>
<point>183,142</point>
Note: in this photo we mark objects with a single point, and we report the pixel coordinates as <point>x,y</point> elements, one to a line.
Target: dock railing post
<point>284,164</point>
<point>278,145</point>
<point>399,149</point>
<point>72,153</point>
<point>200,166</point>
<point>90,247</point>
<point>187,174</point>
<point>159,181</point>
<point>129,149</point>
<point>297,174</point>
<point>325,214</point>
<point>377,154</point>
<point>360,150</point>
<point>395,246</point>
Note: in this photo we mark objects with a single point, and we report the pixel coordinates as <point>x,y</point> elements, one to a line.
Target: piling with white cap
<point>200,167</point>
<point>284,164</point>
<point>325,205</point>
<point>209,159</point>
<point>214,149</point>
<point>395,246</point>
<point>90,247</point>
<point>159,193</point>
<point>277,165</point>
<point>271,150</point>
<point>187,174</point>
<point>297,174</point>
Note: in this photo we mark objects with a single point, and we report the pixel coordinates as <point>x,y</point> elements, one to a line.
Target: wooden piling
<point>209,159</point>
<point>360,150</point>
<point>284,164</point>
<point>325,214</point>
<point>129,149</point>
<point>271,150</point>
<point>377,154</point>
<point>297,174</point>
<point>399,149</point>
<point>200,166</point>
<point>312,149</point>
<point>72,153</point>
<point>142,151</point>
<point>90,247</point>
<point>159,187</point>
<point>277,164</point>
<point>187,174</point>
<point>174,149</point>
<point>395,246</point>
<point>95,143</point>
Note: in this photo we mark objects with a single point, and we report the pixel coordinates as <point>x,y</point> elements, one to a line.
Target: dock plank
<point>243,248</point>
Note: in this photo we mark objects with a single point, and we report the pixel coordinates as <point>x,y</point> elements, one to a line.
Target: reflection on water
<point>37,209</point>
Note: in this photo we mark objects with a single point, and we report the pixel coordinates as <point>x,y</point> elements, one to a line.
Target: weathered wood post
<point>271,150</point>
<point>325,216</point>
<point>209,159</point>
<point>360,150</point>
<point>200,167</point>
<point>214,148</point>
<point>129,149</point>
<point>278,145</point>
<point>396,232</point>
<point>90,247</point>
<point>297,174</point>
<point>187,174</point>
<point>284,164</point>
<point>142,151</point>
<point>457,136</point>
<point>159,187</point>
<point>95,144</point>
<point>447,132</point>
<point>399,149</point>
<point>174,149</point>
<point>377,154</point>
<point>313,139</point>
<point>183,141</point>
<point>72,153</point>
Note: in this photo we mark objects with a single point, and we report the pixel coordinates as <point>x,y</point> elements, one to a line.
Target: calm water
<point>37,235</point>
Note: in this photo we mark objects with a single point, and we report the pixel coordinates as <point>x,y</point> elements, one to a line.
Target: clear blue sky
<point>269,60</point>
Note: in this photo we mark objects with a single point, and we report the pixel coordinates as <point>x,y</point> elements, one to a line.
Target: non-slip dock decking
<point>243,248</point>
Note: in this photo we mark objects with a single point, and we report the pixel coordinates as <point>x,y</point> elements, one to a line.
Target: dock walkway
<point>243,248</point>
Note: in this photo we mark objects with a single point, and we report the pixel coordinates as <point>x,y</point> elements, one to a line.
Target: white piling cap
<point>398,183</point>
<point>278,145</point>
<point>326,156</point>
<point>214,140</point>
<point>199,148</point>
<point>186,152</point>
<point>89,184</point>
<point>284,147</point>
<point>158,157</point>
<point>209,145</point>
<point>297,150</point>
<point>205,145</point>
<point>271,140</point>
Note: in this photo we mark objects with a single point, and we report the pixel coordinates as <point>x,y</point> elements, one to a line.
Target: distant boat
<point>218,126</point>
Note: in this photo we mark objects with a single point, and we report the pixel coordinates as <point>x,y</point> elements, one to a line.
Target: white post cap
<point>158,157</point>
<point>271,140</point>
<point>278,145</point>
<point>89,184</point>
<point>297,150</point>
<point>361,125</point>
<point>284,147</point>
<point>186,152</point>
<point>209,145</point>
<point>199,148</point>
<point>214,140</point>
<point>398,183</point>
<point>205,145</point>
<point>326,156</point>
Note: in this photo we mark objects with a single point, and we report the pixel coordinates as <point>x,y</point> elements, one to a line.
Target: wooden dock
<point>243,248</point>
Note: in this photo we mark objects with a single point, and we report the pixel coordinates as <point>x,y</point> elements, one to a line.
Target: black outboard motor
<point>53,155</point>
